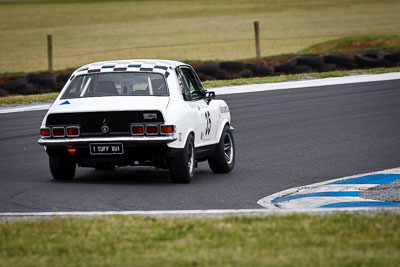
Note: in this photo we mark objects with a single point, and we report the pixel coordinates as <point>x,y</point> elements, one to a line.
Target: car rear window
<point>117,84</point>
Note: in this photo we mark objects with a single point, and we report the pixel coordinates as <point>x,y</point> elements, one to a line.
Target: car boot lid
<point>115,103</point>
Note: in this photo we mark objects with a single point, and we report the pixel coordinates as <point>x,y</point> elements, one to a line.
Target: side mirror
<point>209,96</point>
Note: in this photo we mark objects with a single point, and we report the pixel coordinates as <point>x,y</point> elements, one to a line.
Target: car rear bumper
<point>153,151</point>
<point>128,140</point>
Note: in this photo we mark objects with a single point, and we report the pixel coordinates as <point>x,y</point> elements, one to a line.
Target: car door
<point>194,94</point>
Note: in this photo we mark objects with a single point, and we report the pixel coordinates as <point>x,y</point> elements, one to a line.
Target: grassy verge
<point>20,99</point>
<point>21,73</point>
<point>24,99</point>
<point>356,43</point>
<point>302,240</point>
<point>203,30</point>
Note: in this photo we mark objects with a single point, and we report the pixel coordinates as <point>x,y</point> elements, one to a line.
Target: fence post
<point>257,36</point>
<point>50,51</point>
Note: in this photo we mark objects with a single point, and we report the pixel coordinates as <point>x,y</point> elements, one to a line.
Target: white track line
<point>252,88</point>
<point>24,108</point>
<point>216,213</point>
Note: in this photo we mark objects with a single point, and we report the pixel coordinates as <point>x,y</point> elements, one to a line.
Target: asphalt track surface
<point>284,139</point>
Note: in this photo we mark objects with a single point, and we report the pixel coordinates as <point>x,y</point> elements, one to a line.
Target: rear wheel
<point>61,168</point>
<point>223,159</point>
<point>105,168</point>
<point>182,167</point>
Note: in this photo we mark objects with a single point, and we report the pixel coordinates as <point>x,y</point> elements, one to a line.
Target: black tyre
<point>265,70</point>
<point>246,73</point>
<point>57,87</point>
<point>221,74</point>
<point>182,167</point>
<point>223,159</point>
<point>63,78</point>
<point>201,76</point>
<point>310,60</point>
<point>232,65</point>
<point>42,79</point>
<point>62,168</point>
<point>260,70</point>
<point>302,69</point>
<point>32,89</point>
<point>341,60</point>
<point>326,67</point>
<point>393,57</point>
<point>370,59</point>
<point>252,67</point>
<point>14,86</point>
<point>3,92</point>
<point>286,67</point>
<point>209,69</point>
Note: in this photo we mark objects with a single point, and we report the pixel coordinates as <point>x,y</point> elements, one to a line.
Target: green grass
<point>356,43</point>
<point>21,99</point>
<point>301,240</point>
<point>20,73</point>
<point>24,99</point>
<point>88,31</point>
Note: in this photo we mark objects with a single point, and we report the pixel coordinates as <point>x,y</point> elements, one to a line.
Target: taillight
<point>73,131</point>
<point>167,129</point>
<point>151,129</point>
<point>71,150</point>
<point>45,132</point>
<point>58,131</point>
<point>137,129</point>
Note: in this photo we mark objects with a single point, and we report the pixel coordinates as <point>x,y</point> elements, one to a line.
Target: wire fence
<point>211,50</point>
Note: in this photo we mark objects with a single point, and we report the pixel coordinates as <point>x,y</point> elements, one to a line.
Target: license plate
<point>106,149</point>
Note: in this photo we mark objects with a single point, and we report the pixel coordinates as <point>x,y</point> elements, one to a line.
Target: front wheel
<point>223,159</point>
<point>61,168</point>
<point>182,167</point>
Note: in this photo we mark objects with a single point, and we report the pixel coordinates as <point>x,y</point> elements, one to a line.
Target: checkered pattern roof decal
<point>163,67</point>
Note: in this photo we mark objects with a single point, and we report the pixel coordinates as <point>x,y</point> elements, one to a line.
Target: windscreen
<point>117,84</point>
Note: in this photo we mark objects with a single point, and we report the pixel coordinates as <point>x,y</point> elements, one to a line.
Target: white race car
<point>137,112</point>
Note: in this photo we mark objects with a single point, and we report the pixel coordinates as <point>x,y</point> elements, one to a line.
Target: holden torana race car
<point>137,112</point>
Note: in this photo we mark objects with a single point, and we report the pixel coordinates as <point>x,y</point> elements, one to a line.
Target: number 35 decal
<point>208,120</point>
